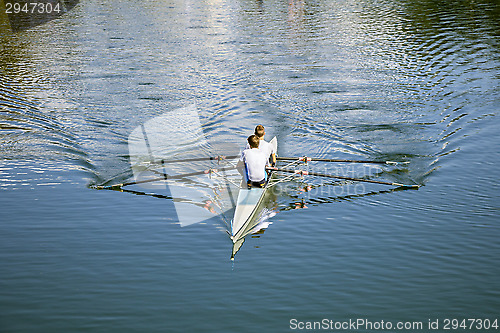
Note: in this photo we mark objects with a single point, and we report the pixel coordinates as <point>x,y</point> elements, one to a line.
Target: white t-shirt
<point>265,147</point>
<point>255,161</point>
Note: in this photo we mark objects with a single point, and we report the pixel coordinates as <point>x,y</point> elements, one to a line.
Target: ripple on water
<point>29,131</point>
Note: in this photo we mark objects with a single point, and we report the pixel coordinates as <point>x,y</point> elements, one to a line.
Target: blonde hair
<point>259,131</point>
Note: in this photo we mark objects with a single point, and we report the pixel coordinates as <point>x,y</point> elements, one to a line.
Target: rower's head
<point>253,141</point>
<point>259,131</point>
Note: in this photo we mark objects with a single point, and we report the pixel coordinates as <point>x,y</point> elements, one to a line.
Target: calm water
<point>401,80</point>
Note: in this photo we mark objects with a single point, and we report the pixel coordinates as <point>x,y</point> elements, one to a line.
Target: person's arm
<point>273,155</point>
<point>240,166</point>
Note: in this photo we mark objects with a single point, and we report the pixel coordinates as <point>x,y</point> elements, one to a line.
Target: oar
<point>165,177</point>
<point>301,172</point>
<point>197,159</point>
<point>308,159</point>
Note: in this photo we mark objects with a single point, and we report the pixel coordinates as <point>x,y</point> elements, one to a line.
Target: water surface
<point>399,80</point>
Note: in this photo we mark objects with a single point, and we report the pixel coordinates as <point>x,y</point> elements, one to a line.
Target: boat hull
<point>247,204</point>
<point>247,207</point>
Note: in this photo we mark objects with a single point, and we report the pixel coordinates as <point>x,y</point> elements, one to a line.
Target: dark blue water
<point>382,80</point>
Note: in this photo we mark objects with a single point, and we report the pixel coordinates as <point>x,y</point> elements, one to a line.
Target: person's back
<point>255,162</point>
<point>266,148</point>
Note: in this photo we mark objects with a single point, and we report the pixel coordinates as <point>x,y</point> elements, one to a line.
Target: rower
<point>264,146</point>
<point>255,163</point>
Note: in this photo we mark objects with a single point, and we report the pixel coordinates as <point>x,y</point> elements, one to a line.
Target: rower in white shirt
<point>264,146</point>
<point>255,163</point>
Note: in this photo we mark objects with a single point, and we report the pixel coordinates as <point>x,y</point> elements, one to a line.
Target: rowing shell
<point>247,208</point>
